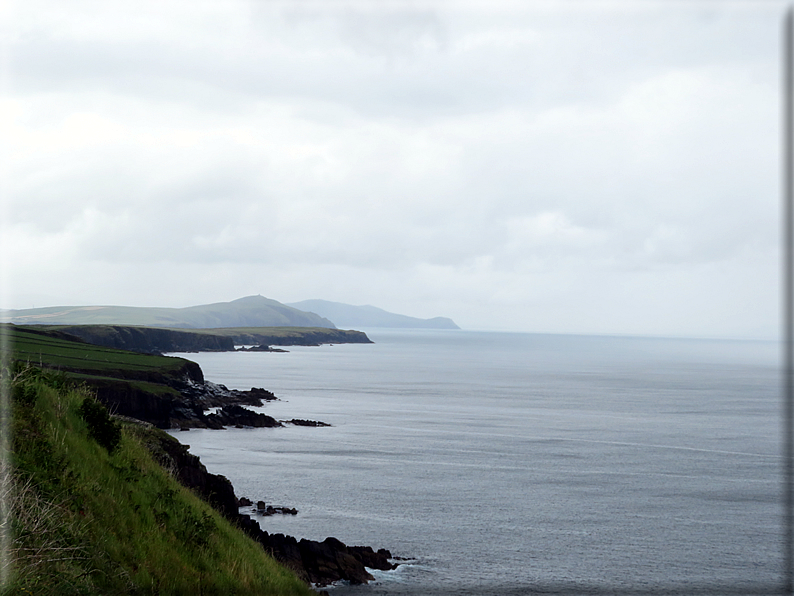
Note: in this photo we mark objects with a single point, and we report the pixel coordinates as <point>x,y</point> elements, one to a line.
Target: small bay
<point>500,462</point>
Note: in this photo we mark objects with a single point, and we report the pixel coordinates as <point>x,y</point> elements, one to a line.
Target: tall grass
<point>86,519</point>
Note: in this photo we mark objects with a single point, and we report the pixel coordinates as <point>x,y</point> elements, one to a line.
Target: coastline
<point>318,563</point>
<point>155,392</point>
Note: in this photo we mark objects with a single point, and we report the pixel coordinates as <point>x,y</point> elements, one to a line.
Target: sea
<point>499,463</point>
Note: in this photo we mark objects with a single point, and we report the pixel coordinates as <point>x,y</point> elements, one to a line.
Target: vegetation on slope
<point>51,349</point>
<point>143,386</point>
<point>94,513</point>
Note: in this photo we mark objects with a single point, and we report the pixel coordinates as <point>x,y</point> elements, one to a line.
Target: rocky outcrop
<point>261,349</point>
<point>318,563</point>
<point>266,510</point>
<point>190,472</point>
<point>235,415</point>
<point>300,422</point>
<point>181,402</point>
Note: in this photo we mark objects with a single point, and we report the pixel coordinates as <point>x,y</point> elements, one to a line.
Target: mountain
<point>346,315</point>
<point>252,311</point>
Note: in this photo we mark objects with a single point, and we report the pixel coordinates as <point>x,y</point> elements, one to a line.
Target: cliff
<point>155,340</point>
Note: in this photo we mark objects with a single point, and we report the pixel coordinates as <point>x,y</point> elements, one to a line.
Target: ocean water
<point>508,463</point>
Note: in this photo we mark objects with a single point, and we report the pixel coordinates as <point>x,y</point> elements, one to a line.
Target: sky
<point>569,166</point>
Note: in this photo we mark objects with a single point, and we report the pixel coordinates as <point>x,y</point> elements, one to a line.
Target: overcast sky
<point>572,166</point>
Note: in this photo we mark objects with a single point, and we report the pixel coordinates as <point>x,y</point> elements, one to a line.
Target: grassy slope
<point>54,352</point>
<point>86,362</point>
<point>90,522</point>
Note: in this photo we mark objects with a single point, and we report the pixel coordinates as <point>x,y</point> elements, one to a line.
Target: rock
<point>299,422</point>
<point>257,393</point>
<point>319,563</point>
<point>329,561</point>
<point>190,472</point>
<point>244,502</point>
<point>372,559</point>
<point>270,510</point>
<point>260,349</point>
<point>235,415</point>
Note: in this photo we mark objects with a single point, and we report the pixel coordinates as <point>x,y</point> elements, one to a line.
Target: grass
<point>53,352</point>
<point>127,372</point>
<point>86,520</point>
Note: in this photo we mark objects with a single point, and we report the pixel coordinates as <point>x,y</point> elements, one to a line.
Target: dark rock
<point>270,510</point>
<point>329,561</point>
<point>190,472</point>
<point>261,349</point>
<point>319,563</point>
<point>235,415</point>
<point>244,502</point>
<point>300,422</point>
<point>257,393</point>
<point>372,559</point>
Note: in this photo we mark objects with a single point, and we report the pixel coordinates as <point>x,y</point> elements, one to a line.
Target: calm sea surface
<point>507,463</point>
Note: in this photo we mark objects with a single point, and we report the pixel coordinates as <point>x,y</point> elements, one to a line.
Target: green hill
<point>252,311</point>
<point>93,511</point>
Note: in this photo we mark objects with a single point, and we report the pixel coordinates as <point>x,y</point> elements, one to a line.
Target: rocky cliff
<point>318,563</point>
<point>156,340</point>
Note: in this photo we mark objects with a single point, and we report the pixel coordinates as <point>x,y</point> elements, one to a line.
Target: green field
<point>52,350</point>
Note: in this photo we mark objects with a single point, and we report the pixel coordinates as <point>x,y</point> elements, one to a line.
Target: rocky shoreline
<point>175,395</point>
<point>317,563</point>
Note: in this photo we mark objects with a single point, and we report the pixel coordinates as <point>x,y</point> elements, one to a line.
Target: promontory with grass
<point>102,501</point>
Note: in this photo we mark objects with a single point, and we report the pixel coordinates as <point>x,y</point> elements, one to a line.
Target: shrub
<point>101,427</point>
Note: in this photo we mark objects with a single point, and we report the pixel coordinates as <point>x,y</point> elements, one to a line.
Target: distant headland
<point>349,316</point>
<point>251,311</point>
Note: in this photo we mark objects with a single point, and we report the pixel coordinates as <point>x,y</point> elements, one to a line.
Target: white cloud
<point>488,163</point>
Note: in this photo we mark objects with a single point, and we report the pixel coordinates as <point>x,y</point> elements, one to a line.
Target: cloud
<point>465,159</point>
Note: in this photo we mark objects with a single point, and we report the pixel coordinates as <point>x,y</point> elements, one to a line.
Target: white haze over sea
<point>505,462</point>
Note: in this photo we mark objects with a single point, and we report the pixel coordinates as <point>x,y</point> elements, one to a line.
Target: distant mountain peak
<point>249,311</point>
<point>350,316</point>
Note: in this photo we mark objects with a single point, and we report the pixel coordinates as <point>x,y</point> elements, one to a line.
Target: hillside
<point>94,511</point>
<point>252,311</point>
<point>94,502</point>
<point>347,315</point>
<point>165,391</point>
